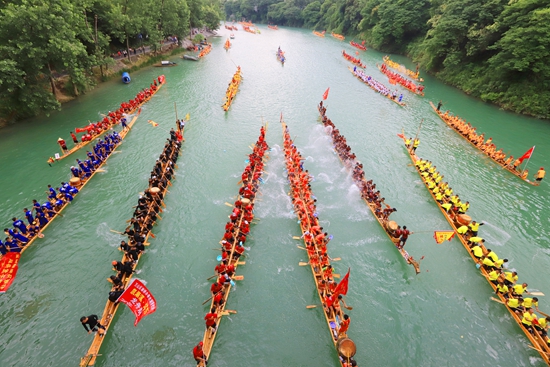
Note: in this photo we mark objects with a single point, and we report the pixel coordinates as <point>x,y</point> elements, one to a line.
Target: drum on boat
<point>75,182</point>
<point>154,190</point>
<point>463,219</point>
<point>391,226</point>
<point>245,201</point>
<point>346,347</point>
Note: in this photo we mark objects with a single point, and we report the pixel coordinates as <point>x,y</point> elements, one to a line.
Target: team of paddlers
<point>505,281</point>
<point>396,78</point>
<point>392,64</point>
<point>112,118</point>
<point>368,189</point>
<point>41,214</point>
<point>232,89</point>
<point>146,213</point>
<point>486,146</point>
<point>232,245</point>
<point>353,60</point>
<point>316,241</point>
<point>281,55</point>
<point>377,86</point>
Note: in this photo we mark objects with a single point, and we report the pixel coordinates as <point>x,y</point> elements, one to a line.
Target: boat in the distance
<point>353,60</point>
<point>395,78</point>
<point>319,34</point>
<point>190,57</point>
<point>281,56</point>
<point>360,46</point>
<point>377,86</point>
<point>274,27</point>
<point>402,69</point>
<point>165,63</point>
<point>338,36</point>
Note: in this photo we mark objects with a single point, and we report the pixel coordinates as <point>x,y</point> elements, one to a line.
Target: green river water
<point>441,317</point>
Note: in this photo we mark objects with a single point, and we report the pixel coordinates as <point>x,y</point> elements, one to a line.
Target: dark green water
<point>441,317</point>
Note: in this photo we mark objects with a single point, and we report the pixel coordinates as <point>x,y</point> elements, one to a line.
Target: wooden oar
<point>336,276</point>
<point>241,262</point>
<point>238,277</point>
<point>302,248</point>
<point>215,275</point>
<point>231,311</point>
<point>296,238</point>
<point>112,230</point>
<point>497,300</point>
<point>301,263</point>
<point>336,259</point>
<point>538,350</point>
<point>311,306</point>
<point>536,293</point>
<point>544,314</point>
<point>226,203</point>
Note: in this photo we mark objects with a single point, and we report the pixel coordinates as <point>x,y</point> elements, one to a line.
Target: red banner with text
<point>8,269</point>
<point>138,298</point>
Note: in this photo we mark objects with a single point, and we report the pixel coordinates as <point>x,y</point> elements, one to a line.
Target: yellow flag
<point>153,123</point>
<point>187,117</point>
<point>441,236</point>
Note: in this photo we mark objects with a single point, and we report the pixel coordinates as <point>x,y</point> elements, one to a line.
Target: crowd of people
<point>505,282</point>
<point>232,245</point>
<point>377,86</point>
<point>316,241</point>
<point>368,190</point>
<point>486,146</point>
<point>232,89</point>
<point>396,78</point>
<point>146,213</point>
<point>95,129</point>
<point>352,59</point>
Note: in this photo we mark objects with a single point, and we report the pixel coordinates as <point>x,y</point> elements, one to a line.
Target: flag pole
<point>418,132</point>
<point>525,167</point>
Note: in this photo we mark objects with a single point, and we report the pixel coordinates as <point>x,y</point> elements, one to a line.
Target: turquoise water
<point>441,317</point>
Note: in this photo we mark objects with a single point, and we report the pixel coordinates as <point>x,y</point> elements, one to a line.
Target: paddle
<point>536,293</point>
<point>538,350</point>
<point>231,311</point>
<point>241,262</point>
<point>302,248</point>
<point>210,298</point>
<point>230,205</point>
<point>497,300</point>
<point>336,276</point>
<point>301,263</point>
<point>296,238</point>
<point>238,277</point>
<point>345,305</point>
<point>337,259</point>
<point>311,306</point>
<point>215,275</point>
<point>112,230</point>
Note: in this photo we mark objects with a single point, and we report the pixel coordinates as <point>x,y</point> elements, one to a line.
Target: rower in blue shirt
<point>12,245</point>
<point>46,205</point>
<point>3,249</point>
<point>73,190</point>
<point>76,172</point>
<point>29,216</point>
<point>68,196</point>
<point>52,193</point>
<point>19,237</point>
<point>42,220</point>
<point>19,225</point>
<point>36,206</point>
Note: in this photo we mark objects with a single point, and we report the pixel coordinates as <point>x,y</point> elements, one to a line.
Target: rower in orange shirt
<point>344,325</point>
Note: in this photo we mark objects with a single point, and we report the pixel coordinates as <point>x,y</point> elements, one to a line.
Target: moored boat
<point>355,168</point>
<point>126,78</point>
<point>274,27</point>
<point>338,36</point>
<point>165,63</point>
<point>402,69</point>
<point>190,57</point>
<point>232,89</point>
<point>395,78</point>
<point>467,238</point>
<point>232,36</point>
<point>488,148</point>
<point>319,34</point>
<point>281,56</point>
<point>237,230</point>
<point>353,60</point>
<point>152,200</point>
<point>360,46</point>
<point>206,50</point>
<point>316,245</point>
<point>377,86</point>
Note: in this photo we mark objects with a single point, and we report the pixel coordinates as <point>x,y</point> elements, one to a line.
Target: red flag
<point>527,154</point>
<point>401,136</point>
<point>441,236</point>
<point>138,298</point>
<point>8,269</point>
<point>325,95</point>
<point>342,287</point>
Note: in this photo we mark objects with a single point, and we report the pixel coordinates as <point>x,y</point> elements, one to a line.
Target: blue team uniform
<point>20,226</point>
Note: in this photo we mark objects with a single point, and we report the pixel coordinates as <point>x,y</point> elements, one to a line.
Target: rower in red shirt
<point>210,320</point>
<point>218,299</point>
<point>216,287</point>
<point>230,270</point>
<point>344,325</point>
<point>239,250</point>
<point>220,268</point>
<point>198,354</point>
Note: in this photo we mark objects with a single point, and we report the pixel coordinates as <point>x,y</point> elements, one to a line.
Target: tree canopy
<point>41,40</point>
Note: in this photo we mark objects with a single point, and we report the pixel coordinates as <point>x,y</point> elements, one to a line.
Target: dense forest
<point>42,39</point>
<point>496,50</point>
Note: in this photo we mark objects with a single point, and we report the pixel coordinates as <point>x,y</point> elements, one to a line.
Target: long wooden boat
<point>319,34</point>
<point>358,45</point>
<point>405,83</point>
<point>337,36</point>
<point>82,144</point>
<point>247,24</point>
<point>165,63</point>
<point>344,345</point>
<point>232,89</point>
<point>539,343</point>
<point>402,69</point>
<point>190,57</point>
<point>274,27</point>
<point>227,45</point>
<point>111,307</point>
<point>353,60</point>
<point>247,29</point>
<point>205,51</point>
<point>83,183</point>
<point>210,336</point>
<point>383,223</point>
<point>446,119</point>
<point>388,96</point>
<point>280,56</point>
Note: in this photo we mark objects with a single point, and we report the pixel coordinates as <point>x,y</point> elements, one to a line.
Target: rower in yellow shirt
<point>530,302</point>
<point>540,174</point>
<point>462,230</point>
<point>493,276</point>
<point>541,325</point>
<point>474,227</point>
<point>477,251</point>
<point>510,278</point>
<point>519,289</point>
<point>527,320</point>
<point>502,289</point>
<point>515,304</point>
